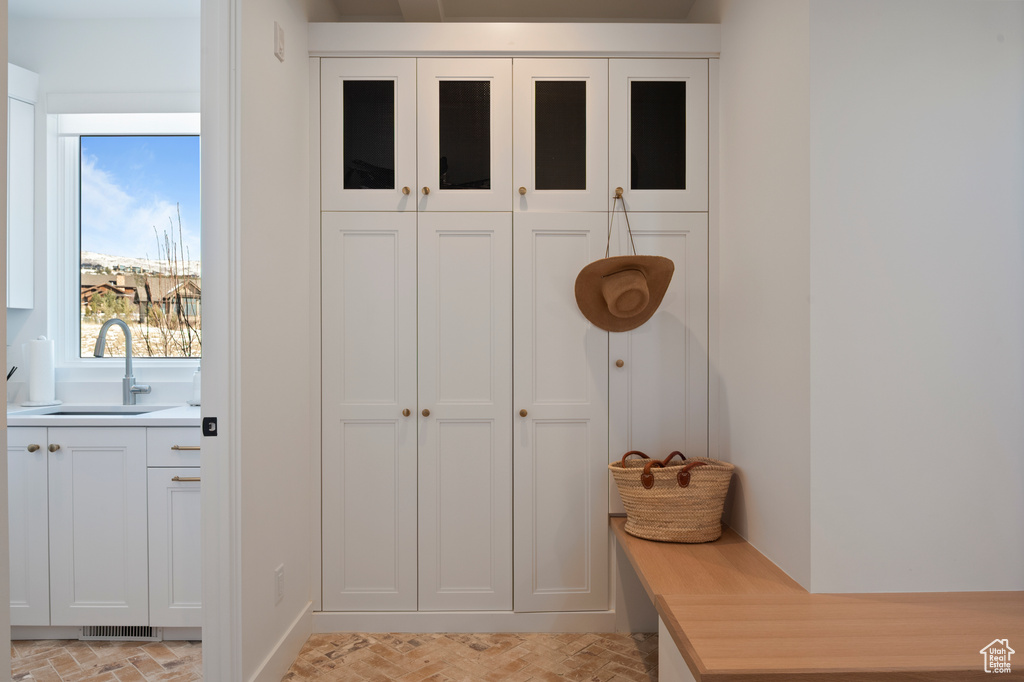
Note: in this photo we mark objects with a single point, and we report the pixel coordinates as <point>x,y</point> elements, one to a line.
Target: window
<point>131,216</point>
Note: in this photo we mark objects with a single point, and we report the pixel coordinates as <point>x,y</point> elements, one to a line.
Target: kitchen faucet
<point>129,389</point>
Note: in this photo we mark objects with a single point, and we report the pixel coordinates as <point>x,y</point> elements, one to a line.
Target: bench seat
<point>734,616</point>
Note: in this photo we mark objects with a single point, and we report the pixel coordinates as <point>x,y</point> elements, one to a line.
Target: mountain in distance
<point>99,261</point>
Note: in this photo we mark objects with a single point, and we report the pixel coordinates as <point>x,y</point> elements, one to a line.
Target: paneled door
<point>99,563</point>
<point>560,431</point>
<point>658,377</point>
<point>560,124</point>
<point>658,133</point>
<point>368,134</point>
<point>464,134</point>
<point>369,401</point>
<point>29,526</point>
<point>465,430</point>
<point>175,552</point>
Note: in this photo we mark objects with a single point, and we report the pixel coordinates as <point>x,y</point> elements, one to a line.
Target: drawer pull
<point>185,447</point>
<point>186,479</point>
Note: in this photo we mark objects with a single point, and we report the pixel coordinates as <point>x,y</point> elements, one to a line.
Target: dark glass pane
<point>369,125</point>
<point>560,130</point>
<point>658,134</point>
<point>465,134</point>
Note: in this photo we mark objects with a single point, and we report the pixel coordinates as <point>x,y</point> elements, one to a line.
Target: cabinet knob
<point>426,191</point>
<point>406,412</point>
<point>522,413</point>
<point>619,363</point>
<point>405,190</point>
<point>618,192</point>
<point>33,447</point>
<point>426,412</point>
<point>53,447</point>
<point>522,190</point>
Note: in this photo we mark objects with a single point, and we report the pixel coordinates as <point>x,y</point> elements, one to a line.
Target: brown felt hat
<point>621,293</point>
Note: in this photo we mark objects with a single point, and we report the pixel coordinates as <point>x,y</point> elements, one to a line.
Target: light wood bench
<point>734,616</point>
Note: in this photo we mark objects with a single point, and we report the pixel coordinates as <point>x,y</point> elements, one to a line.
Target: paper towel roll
<point>39,354</point>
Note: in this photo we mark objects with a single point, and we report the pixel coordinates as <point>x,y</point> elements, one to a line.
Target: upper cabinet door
<point>658,123</point>
<point>465,134</point>
<point>561,127</point>
<point>368,134</point>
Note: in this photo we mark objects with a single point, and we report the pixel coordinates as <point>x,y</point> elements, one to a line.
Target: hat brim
<point>657,270</point>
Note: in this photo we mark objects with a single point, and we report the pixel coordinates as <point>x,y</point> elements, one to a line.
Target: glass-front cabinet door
<point>464,134</point>
<point>368,129</point>
<point>658,131</point>
<point>560,124</point>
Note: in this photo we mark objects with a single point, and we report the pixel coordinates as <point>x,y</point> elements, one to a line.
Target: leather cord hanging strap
<point>611,221</point>
<point>632,452</point>
<point>682,478</point>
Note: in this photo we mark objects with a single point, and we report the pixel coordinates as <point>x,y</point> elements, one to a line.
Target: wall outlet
<point>279,584</point>
<point>278,42</point>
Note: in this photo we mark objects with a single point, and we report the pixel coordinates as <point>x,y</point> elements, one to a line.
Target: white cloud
<point>117,223</point>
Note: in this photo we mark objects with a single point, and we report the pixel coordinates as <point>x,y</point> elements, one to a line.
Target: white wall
<point>917,281</point>
<point>764,285</point>
<point>5,581</point>
<point>276,440</point>
<point>89,66</point>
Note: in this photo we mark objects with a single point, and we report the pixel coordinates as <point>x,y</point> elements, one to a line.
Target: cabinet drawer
<point>172,447</point>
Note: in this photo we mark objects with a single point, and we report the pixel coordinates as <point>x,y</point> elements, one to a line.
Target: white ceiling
<point>378,10</point>
<point>103,9</point>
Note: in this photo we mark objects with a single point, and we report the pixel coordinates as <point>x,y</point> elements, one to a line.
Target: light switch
<point>278,41</point>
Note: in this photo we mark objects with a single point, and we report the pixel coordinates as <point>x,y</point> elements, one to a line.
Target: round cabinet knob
<point>33,447</point>
<point>53,447</point>
<point>406,190</point>
<point>426,412</point>
<point>619,363</point>
<point>426,191</point>
<point>522,413</point>
<point>406,412</point>
<point>522,190</point>
<point>618,192</point>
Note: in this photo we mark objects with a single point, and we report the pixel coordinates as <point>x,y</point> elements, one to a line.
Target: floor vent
<point>121,633</point>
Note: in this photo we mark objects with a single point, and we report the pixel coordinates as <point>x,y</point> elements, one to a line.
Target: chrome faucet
<point>129,389</point>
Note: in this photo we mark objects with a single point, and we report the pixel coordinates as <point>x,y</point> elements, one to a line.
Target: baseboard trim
<point>45,632</point>
<point>463,621</point>
<point>287,649</point>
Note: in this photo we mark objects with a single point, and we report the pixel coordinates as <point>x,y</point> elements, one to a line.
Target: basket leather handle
<point>668,459</point>
<point>632,452</point>
<point>682,478</point>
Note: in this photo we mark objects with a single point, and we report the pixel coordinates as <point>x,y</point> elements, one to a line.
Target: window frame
<point>64,290</point>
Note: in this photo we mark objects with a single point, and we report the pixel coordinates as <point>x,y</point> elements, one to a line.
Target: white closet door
<point>465,443</point>
<point>29,526</point>
<point>369,377</point>
<point>658,133</point>
<point>560,123</point>
<point>464,136</point>
<point>561,445</point>
<point>659,397</point>
<point>368,134</point>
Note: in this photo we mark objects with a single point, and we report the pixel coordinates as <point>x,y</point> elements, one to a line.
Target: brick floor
<point>63,660</point>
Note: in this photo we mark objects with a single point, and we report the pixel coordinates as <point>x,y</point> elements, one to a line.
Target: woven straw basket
<point>680,503</point>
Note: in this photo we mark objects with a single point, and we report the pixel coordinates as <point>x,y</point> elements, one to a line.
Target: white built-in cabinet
<point>22,92</point>
<point>99,534</point>
<point>469,410</point>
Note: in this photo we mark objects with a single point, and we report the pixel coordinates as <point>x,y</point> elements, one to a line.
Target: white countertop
<point>171,415</point>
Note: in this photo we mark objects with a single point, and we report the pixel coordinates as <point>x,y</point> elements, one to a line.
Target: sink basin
<point>97,410</point>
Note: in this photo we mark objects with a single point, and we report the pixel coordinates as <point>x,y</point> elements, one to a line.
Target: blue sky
<point>131,184</point>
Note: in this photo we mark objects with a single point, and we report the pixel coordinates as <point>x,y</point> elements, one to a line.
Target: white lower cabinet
<point>98,558</point>
<point>175,565</point>
<point>29,526</point>
<point>94,539</point>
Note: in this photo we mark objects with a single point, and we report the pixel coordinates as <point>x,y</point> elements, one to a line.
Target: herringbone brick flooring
<point>349,657</point>
<point>61,660</point>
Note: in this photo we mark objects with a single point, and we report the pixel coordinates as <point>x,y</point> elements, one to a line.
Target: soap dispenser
<point>197,381</point>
